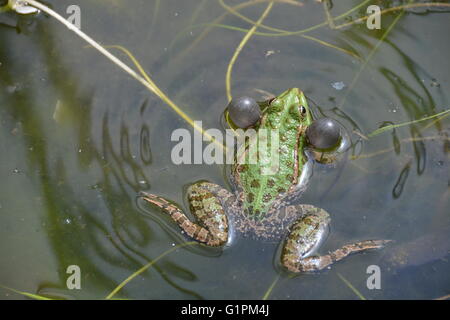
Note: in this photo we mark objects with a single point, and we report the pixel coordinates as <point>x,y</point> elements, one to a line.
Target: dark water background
<point>69,178</point>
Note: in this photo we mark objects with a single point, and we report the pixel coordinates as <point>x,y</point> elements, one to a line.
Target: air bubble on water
<point>393,109</point>
<point>338,85</point>
<point>434,83</point>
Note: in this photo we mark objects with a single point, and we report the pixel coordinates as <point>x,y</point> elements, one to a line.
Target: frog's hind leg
<point>305,236</point>
<point>206,203</point>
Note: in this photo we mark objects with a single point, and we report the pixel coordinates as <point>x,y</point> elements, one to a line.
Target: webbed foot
<point>305,237</point>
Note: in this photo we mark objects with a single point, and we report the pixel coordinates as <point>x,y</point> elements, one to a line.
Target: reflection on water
<point>69,186</point>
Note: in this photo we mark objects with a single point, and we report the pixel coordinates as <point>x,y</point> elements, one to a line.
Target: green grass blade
<point>369,57</point>
<point>26,294</point>
<point>155,11</point>
<point>239,49</point>
<point>145,267</point>
<point>163,96</point>
<point>360,296</point>
<point>270,289</point>
<point>393,126</point>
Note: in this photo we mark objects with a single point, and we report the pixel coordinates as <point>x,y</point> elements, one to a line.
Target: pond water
<point>79,139</point>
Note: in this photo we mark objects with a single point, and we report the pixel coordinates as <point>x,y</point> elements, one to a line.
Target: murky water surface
<point>79,139</point>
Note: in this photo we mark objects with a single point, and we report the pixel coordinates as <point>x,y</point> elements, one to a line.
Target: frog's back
<point>276,172</point>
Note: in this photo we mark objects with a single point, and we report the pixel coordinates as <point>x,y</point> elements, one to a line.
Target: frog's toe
<point>372,244</point>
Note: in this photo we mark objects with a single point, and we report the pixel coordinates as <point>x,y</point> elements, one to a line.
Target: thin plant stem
<point>282,32</point>
<point>197,11</point>
<point>155,11</point>
<point>324,43</point>
<point>393,126</point>
<point>379,152</point>
<point>432,123</point>
<point>146,266</point>
<point>150,85</point>
<point>203,34</point>
<point>246,19</point>
<point>26,294</point>
<point>233,10</point>
<point>93,43</point>
<point>327,44</point>
<point>360,296</point>
<point>330,19</point>
<point>369,57</point>
<point>239,49</point>
<point>270,289</point>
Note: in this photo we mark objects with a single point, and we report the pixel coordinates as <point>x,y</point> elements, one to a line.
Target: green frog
<point>261,205</point>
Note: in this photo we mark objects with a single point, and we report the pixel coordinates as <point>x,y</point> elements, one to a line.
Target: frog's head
<point>291,106</point>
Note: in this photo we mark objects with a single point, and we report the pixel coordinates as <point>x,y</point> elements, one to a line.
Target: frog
<point>262,203</point>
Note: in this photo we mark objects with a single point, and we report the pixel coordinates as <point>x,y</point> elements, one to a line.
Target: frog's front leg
<point>207,203</point>
<point>305,236</point>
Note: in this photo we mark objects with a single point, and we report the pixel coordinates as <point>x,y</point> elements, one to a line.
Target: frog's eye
<point>302,109</point>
